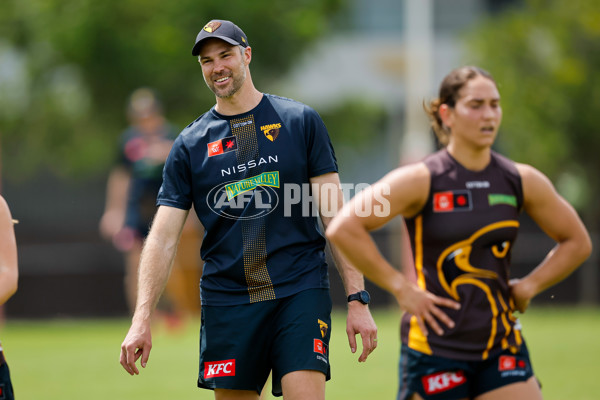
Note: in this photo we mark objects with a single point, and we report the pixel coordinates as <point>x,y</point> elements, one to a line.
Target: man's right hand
<point>137,343</point>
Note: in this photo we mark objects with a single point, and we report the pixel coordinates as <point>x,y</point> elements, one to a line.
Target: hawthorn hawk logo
<point>212,26</point>
<point>271,131</point>
<point>323,327</point>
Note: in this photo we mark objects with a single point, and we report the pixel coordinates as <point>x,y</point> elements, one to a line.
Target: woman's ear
<point>446,114</point>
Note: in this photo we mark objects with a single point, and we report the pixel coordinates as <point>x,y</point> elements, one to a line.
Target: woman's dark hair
<point>449,88</point>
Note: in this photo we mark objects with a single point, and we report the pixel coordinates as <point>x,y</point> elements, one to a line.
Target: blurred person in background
<point>131,202</point>
<point>265,290</point>
<point>461,206</point>
<point>9,274</point>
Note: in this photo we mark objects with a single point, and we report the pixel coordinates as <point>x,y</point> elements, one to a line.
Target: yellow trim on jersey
<point>518,338</point>
<point>419,251</point>
<point>416,338</point>
<point>473,281</point>
<point>511,304</point>
<point>504,320</point>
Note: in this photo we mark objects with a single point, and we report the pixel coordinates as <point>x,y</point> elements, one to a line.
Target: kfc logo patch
<point>507,363</point>
<point>320,347</point>
<point>457,200</point>
<point>222,146</point>
<point>442,381</point>
<point>215,369</point>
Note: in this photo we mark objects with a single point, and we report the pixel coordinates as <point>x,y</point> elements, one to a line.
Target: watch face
<point>364,297</point>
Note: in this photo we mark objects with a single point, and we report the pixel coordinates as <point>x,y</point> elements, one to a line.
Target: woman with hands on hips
<point>461,206</point>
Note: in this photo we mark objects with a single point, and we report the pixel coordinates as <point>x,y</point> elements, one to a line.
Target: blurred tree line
<point>68,66</point>
<point>545,57</point>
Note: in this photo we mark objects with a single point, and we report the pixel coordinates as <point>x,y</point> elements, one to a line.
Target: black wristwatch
<point>362,296</point>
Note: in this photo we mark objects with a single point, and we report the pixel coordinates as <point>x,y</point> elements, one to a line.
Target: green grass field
<point>78,359</point>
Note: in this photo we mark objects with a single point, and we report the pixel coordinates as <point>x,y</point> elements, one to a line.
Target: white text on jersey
<point>236,169</point>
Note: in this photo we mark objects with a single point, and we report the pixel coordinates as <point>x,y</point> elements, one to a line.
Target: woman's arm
<point>557,218</point>
<point>402,192</point>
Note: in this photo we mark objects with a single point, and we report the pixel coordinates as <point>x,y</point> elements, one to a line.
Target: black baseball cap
<point>220,29</point>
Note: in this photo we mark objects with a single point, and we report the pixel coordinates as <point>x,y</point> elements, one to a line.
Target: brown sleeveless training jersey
<point>461,242</point>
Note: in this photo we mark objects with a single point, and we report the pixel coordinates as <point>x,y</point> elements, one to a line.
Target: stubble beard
<point>238,79</point>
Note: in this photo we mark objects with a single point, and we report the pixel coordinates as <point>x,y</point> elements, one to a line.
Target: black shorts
<point>435,377</point>
<point>240,345</point>
<point>6,389</point>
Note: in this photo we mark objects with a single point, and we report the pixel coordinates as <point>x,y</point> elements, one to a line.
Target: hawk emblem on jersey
<point>271,131</point>
<point>323,327</point>
<point>272,134</point>
<point>455,267</point>
<point>454,264</point>
<point>452,200</point>
<point>212,26</point>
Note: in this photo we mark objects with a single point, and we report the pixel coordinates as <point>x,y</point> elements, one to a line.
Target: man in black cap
<point>246,166</point>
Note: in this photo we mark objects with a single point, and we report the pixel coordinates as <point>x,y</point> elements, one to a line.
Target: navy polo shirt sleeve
<point>176,189</point>
<point>320,153</point>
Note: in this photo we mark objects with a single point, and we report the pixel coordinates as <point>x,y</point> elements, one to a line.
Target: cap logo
<point>243,40</point>
<point>212,26</point>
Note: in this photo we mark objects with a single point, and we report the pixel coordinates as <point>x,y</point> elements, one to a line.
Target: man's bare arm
<point>155,267</point>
